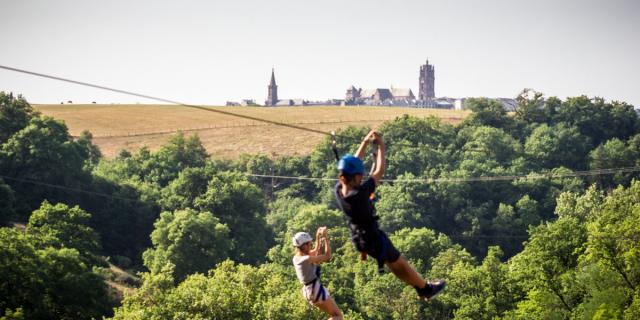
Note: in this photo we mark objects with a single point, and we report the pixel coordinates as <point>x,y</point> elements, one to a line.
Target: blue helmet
<point>351,165</point>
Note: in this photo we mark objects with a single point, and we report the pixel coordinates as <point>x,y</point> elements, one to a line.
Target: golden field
<point>119,126</point>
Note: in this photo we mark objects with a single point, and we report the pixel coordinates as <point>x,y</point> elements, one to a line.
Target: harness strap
<point>310,282</point>
<point>321,293</point>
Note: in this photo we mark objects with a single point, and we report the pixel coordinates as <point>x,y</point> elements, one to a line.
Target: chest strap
<point>311,282</point>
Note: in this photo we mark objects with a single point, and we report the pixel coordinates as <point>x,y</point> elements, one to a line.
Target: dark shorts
<point>381,248</point>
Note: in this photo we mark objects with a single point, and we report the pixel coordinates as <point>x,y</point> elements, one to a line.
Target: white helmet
<point>301,238</point>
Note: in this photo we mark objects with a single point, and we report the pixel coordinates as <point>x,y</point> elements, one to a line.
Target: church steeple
<point>272,98</point>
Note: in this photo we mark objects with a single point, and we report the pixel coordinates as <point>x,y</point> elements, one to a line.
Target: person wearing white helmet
<point>306,261</point>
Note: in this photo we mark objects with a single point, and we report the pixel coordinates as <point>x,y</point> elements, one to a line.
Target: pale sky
<point>208,52</point>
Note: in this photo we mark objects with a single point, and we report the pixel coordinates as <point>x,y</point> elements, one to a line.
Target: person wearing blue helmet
<point>353,196</point>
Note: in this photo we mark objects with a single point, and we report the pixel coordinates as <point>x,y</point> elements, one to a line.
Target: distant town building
<point>382,96</point>
<point>508,103</point>
<point>352,95</point>
<point>402,94</point>
<point>379,96</point>
<point>291,102</point>
<point>427,80</point>
<point>443,103</point>
<point>248,102</point>
<point>272,97</point>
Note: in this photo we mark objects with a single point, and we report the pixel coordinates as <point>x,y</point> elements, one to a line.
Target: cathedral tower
<point>427,80</point>
<point>272,98</point>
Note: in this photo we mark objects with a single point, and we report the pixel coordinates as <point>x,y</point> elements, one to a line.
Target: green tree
<point>613,154</point>
<point>579,205</point>
<point>531,107</point>
<point>230,291</point>
<point>31,153</point>
<point>385,297</point>
<point>555,146</point>
<point>487,112</point>
<point>72,290</point>
<point>545,190</point>
<point>15,114</point>
<point>156,168</point>
<point>191,241</point>
<point>241,206</point>
<point>6,203</point>
<point>420,245</point>
<point>416,145</point>
<point>483,292</point>
<point>150,300</point>
<point>62,227</point>
<point>85,141</point>
<point>124,220</point>
<point>21,285</point>
<point>511,222</point>
<point>599,120</point>
<point>48,283</point>
<point>176,155</point>
<point>189,185</point>
<point>488,144</point>
<point>297,167</point>
<point>283,210</point>
<point>258,164</point>
<point>398,207</point>
<point>613,234</point>
<point>546,269</point>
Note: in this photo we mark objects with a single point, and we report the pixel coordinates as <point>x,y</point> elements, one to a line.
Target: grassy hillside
<point>116,127</point>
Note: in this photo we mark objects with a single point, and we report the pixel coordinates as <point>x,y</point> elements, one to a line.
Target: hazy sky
<point>208,52</point>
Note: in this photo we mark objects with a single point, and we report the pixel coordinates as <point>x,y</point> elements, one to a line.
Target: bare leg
<point>330,307</point>
<point>405,272</point>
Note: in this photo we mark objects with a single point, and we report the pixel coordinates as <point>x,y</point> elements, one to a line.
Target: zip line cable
<point>56,186</point>
<point>293,126</point>
<point>86,84</point>
<point>452,236</point>
<point>232,125</point>
<point>436,180</point>
<point>42,75</point>
<point>532,176</point>
<point>428,180</point>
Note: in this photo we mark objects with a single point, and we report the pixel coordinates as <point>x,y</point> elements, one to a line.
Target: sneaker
<point>432,289</point>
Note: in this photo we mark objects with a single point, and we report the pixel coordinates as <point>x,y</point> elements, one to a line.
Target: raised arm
<point>317,244</point>
<point>379,166</point>
<point>326,255</point>
<point>327,245</point>
<point>363,145</point>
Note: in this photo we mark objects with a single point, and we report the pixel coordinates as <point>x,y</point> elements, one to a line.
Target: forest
<point>531,214</point>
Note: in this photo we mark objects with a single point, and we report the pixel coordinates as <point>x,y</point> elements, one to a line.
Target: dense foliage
<point>212,241</point>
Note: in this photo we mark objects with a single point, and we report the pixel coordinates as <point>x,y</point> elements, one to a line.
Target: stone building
<point>274,101</point>
<point>272,97</point>
<point>379,96</point>
<point>353,94</point>
<point>402,94</point>
<point>427,81</point>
